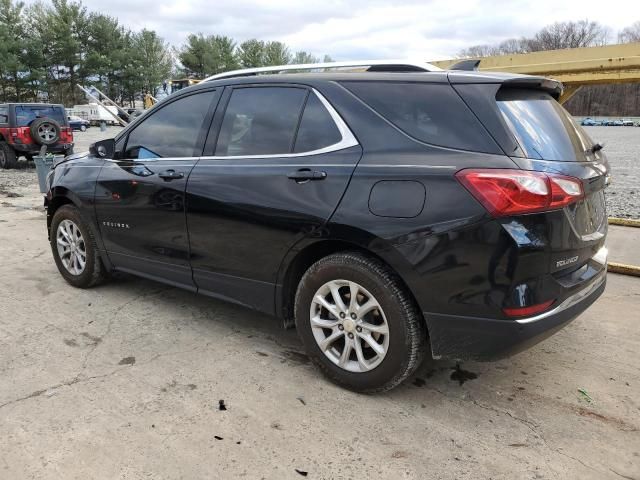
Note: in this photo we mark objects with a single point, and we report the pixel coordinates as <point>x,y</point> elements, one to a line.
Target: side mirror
<point>103,148</point>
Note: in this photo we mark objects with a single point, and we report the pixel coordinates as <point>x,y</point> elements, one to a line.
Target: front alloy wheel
<point>71,247</point>
<point>349,326</point>
<point>74,248</point>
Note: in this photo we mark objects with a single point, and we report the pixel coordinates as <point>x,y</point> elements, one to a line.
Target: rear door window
<point>543,128</point>
<point>429,112</point>
<point>4,115</point>
<point>25,115</point>
<point>317,129</point>
<point>260,121</point>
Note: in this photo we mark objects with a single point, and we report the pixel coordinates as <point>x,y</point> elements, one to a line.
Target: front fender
<point>74,182</point>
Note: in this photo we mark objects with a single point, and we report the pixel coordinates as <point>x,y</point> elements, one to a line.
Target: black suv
<point>380,213</point>
<point>26,127</point>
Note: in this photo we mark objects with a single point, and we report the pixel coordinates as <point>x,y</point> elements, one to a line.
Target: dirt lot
<point>125,381</point>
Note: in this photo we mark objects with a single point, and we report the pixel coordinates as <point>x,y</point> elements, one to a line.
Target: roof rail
<point>374,65</point>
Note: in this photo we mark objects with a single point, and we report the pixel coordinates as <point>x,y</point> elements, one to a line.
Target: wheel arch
<point>298,263</point>
<point>61,196</point>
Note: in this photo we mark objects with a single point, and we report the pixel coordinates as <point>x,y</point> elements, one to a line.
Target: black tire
<point>407,332</point>
<point>94,271</point>
<point>83,128</point>
<point>52,128</point>
<point>8,157</point>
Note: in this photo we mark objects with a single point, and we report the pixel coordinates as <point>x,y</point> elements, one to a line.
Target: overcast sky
<point>365,29</point>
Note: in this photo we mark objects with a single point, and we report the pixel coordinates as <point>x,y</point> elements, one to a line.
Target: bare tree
<point>506,47</point>
<point>552,37</point>
<point>477,51</point>
<point>512,45</point>
<point>568,35</point>
<point>630,34</point>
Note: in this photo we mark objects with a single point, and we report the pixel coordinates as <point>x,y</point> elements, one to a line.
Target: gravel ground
<point>622,145</point>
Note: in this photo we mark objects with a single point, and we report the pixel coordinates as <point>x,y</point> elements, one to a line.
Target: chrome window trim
<point>348,139</point>
<point>153,159</point>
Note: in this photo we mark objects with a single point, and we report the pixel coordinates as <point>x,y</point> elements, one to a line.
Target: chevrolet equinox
<point>386,213</point>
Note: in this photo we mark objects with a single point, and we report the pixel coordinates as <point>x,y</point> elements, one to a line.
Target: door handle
<point>306,174</point>
<point>168,175</point>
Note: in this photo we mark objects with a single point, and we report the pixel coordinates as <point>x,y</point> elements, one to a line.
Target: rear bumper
<point>474,338</point>
<point>34,149</point>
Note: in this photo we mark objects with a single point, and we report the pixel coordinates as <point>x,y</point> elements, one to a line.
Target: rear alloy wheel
<point>83,128</point>
<point>358,323</point>
<point>74,249</point>
<point>8,158</point>
<point>349,326</point>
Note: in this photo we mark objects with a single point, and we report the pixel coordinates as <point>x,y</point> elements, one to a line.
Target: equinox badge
<point>566,261</point>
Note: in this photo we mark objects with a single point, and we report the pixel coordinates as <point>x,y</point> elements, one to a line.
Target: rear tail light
<point>527,311</point>
<point>510,192</point>
<point>20,135</point>
<point>66,135</point>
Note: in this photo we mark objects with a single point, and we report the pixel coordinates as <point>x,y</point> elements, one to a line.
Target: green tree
<point>225,57</point>
<point>276,53</point>
<point>203,56</point>
<point>16,52</point>
<point>63,33</point>
<point>304,57</point>
<point>106,53</point>
<point>250,54</point>
<point>194,54</point>
<point>129,81</point>
<point>155,60</point>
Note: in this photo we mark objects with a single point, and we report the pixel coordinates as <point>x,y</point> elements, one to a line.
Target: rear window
<point>431,113</point>
<point>543,128</point>
<point>317,129</point>
<point>27,114</point>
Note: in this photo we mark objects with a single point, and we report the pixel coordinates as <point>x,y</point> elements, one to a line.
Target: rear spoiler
<point>466,65</point>
<point>504,79</point>
<point>553,87</point>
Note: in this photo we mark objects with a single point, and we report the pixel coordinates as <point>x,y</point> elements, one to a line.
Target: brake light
<point>511,192</point>
<point>527,311</point>
<point>20,135</point>
<point>66,135</point>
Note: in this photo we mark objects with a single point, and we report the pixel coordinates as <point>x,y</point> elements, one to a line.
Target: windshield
<point>27,114</point>
<point>542,127</point>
